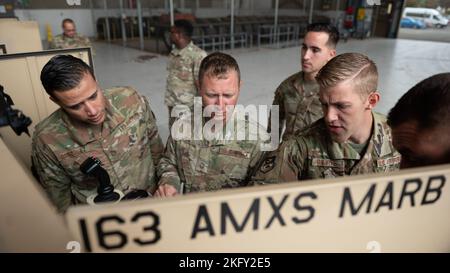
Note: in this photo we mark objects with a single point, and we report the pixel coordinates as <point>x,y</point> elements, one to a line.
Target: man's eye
<point>93,97</point>
<point>315,50</point>
<point>74,107</point>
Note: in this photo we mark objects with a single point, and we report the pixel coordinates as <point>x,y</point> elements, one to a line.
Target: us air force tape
<point>400,211</point>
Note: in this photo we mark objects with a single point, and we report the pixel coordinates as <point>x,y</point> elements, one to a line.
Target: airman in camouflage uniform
<point>183,69</point>
<point>210,165</point>
<point>62,42</point>
<point>209,160</point>
<point>126,142</point>
<point>313,155</point>
<point>70,38</point>
<point>351,139</point>
<point>297,96</point>
<point>299,103</point>
<point>184,63</point>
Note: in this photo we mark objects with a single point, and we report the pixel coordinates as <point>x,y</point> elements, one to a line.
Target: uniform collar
<point>378,146</point>
<point>299,84</point>
<point>83,133</point>
<point>177,52</point>
<point>67,37</point>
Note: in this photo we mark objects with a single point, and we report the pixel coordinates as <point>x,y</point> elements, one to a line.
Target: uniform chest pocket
<point>233,163</point>
<point>130,142</point>
<point>291,107</point>
<point>71,161</point>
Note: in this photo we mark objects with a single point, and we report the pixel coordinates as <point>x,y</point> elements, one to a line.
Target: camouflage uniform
<point>313,154</point>
<point>128,146</point>
<point>61,41</point>
<point>299,104</point>
<point>210,165</point>
<point>183,67</point>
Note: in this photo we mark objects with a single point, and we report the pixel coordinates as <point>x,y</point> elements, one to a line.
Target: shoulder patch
<point>268,164</point>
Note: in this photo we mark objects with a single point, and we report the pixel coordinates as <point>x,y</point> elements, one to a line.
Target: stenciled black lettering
<point>153,227</point>
<point>389,193</point>
<point>85,235</point>
<point>406,192</point>
<point>437,190</point>
<point>202,214</point>
<point>347,199</point>
<point>115,233</point>
<point>226,213</point>
<point>299,207</point>
<point>276,210</point>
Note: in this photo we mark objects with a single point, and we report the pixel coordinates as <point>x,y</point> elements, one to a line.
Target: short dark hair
<point>217,64</point>
<point>427,103</point>
<point>333,33</point>
<point>185,27</point>
<point>63,72</point>
<point>67,20</point>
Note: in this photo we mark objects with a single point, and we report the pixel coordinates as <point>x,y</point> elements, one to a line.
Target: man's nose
<point>90,109</point>
<point>221,102</point>
<point>330,114</point>
<point>307,54</point>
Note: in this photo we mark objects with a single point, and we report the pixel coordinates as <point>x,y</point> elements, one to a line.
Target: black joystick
<point>92,166</point>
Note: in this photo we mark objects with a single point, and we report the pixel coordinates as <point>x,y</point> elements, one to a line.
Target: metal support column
<point>91,6</point>
<point>141,30</point>
<point>311,8</point>
<point>172,19</point>
<point>337,14</point>
<point>122,24</point>
<point>108,34</point>
<point>275,24</point>
<point>232,25</point>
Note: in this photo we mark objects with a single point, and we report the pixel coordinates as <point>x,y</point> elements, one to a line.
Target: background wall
<point>53,12</point>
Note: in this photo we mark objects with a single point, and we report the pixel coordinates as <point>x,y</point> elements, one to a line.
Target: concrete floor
<point>428,34</point>
<point>401,64</point>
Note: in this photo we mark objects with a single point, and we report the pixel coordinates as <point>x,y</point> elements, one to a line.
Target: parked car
<point>408,22</point>
<point>431,17</point>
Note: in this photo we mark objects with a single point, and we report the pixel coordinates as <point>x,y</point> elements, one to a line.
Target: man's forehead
<point>69,24</point>
<point>229,74</point>
<point>344,90</point>
<point>314,38</point>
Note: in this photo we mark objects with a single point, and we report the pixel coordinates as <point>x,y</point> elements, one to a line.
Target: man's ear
<point>332,53</point>
<point>373,99</point>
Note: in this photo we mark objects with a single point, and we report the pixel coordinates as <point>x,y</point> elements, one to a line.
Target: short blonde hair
<point>350,66</point>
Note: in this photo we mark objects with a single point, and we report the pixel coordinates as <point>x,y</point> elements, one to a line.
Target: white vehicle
<point>431,17</point>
